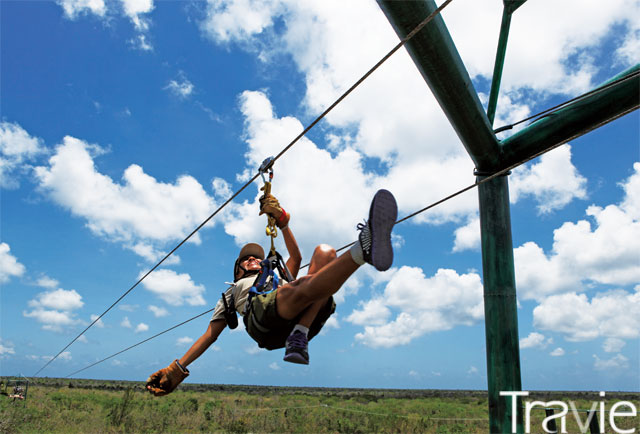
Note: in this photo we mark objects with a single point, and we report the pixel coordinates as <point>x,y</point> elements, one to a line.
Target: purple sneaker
<point>296,352</point>
<point>375,234</point>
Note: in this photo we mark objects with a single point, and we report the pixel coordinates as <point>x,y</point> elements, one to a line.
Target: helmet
<point>251,249</point>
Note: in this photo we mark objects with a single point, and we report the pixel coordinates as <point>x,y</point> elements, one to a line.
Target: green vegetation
<point>82,406</point>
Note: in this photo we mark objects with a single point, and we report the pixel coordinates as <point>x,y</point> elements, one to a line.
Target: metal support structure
<point>500,307</point>
<point>439,62</point>
<point>575,119</point>
<point>437,59</point>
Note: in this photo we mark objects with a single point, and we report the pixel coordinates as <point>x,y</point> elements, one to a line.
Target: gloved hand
<point>166,380</point>
<point>270,205</point>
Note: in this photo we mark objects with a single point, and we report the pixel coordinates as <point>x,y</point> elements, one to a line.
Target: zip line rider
<point>296,311</point>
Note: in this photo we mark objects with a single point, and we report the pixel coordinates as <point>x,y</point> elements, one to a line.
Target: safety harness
<point>267,279</point>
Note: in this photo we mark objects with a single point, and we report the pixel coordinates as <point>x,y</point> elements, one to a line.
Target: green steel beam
<point>499,65</point>
<point>512,5</point>
<point>574,120</point>
<point>437,59</point>
<point>500,306</point>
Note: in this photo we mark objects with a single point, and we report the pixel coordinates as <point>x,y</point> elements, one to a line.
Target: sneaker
<point>375,234</point>
<point>297,348</point>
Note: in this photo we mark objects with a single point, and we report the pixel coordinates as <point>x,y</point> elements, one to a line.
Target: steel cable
<point>285,149</point>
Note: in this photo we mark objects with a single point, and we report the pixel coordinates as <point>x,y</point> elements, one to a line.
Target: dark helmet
<point>251,249</point>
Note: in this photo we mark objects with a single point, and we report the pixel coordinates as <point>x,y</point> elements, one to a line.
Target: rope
<point>286,148</point>
<point>552,110</point>
<point>434,204</point>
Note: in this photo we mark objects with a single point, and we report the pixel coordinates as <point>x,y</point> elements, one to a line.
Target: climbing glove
<point>166,380</point>
<point>270,205</point>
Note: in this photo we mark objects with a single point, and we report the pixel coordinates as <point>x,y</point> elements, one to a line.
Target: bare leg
<point>297,296</point>
<point>322,255</point>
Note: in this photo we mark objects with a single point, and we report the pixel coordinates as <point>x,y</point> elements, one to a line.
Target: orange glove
<point>270,205</point>
<point>166,380</point>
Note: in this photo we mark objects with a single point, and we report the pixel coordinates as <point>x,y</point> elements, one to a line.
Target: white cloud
<point>472,370</point>
<point>158,312</point>
<point>6,349</point>
<point>17,147</point>
<point>128,307</point>
<point>534,340</point>
<point>553,181</point>
<point>74,8</point>
<point>617,362</point>
<point>605,251</point>
<point>135,9</point>
<point>65,355</point>
<point>253,350</point>
<point>126,323</point>
<point>238,20</point>
<point>140,211</point>
<point>142,327</point>
<point>613,345</point>
<point>59,299</point>
<point>47,282</point>
<point>182,87</point>
<point>614,314</point>
<point>98,323</point>
<point>558,352</point>
<point>554,57</point>
<point>275,366</point>
<point>424,305</point>
<point>54,309</point>
<point>173,288</point>
<point>183,341</point>
<point>468,236</point>
<point>9,265</point>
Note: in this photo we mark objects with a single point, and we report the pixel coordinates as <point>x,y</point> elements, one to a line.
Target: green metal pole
<point>500,307</point>
<point>499,65</point>
<point>438,60</point>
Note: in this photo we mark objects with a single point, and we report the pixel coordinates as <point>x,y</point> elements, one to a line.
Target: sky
<point>125,124</point>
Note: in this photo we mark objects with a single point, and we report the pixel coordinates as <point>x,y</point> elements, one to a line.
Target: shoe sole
<point>382,217</point>
<point>295,358</point>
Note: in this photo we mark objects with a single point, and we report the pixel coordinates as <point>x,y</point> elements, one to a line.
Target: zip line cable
<point>286,148</point>
<point>555,108</point>
<point>432,205</point>
<point>140,343</point>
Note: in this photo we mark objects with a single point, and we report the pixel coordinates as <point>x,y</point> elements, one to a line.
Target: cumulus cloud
<point>413,305</point>
<point>553,181</point>
<point>140,212</point>
<point>468,236</point>
<point>614,314</point>
<point>6,349</point>
<point>142,327</point>
<point>182,87</point>
<point>558,352</point>
<point>184,341</point>
<point>47,282</point>
<point>274,366</point>
<point>75,8</point>
<point>173,288</point>
<point>98,323</point>
<point>158,312</point>
<point>54,309</point>
<point>616,363</point>
<point>9,265</point>
<point>535,340</point>
<point>17,148</point>
<point>613,345</point>
<point>602,250</point>
<point>126,323</point>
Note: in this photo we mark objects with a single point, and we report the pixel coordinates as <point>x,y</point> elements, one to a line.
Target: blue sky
<point>124,124</point>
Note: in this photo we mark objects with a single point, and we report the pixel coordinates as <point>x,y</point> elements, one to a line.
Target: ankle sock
<point>356,253</point>
<point>302,329</point>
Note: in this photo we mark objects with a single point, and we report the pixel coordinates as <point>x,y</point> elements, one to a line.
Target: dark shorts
<point>270,330</point>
